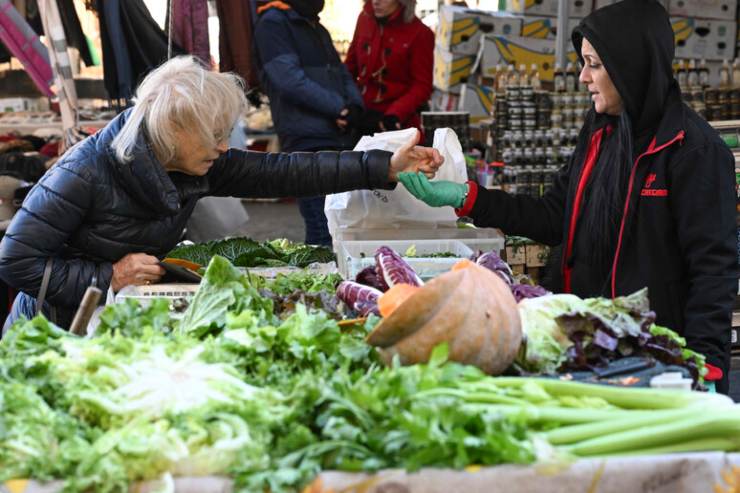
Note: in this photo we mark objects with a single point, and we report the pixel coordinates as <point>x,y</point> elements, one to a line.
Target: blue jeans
<point>312,210</point>
<point>25,305</point>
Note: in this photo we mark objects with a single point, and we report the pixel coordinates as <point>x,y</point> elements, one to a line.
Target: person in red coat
<point>391,58</point>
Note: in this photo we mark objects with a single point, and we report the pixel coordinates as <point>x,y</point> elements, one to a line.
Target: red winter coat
<point>392,64</point>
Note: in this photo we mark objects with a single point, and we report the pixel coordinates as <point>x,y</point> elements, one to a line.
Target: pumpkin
<point>470,308</point>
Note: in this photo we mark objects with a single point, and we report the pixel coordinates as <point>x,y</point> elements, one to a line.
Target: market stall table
<point>690,473</point>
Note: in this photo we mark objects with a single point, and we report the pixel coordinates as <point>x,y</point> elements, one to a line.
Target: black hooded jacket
<point>677,232</point>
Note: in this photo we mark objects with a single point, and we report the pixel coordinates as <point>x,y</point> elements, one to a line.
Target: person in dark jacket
<point>119,200</point>
<point>392,58</point>
<point>313,99</point>
<point>647,198</point>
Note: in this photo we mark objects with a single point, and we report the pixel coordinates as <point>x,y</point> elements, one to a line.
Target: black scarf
<point>307,8</point>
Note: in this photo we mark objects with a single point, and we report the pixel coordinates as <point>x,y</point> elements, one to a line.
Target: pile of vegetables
<point>390,270</point>
<point>562,332</point>
<point>240,384</point>
<point>245,252</point>
<point>566,333</point>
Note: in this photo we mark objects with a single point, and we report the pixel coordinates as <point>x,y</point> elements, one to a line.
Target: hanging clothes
<point>71,22</point>
<point>133,44</point>
<point>26,46</point>
<point>73,30</point>
<point>147,42</point>
<point>64,80</point>
<point>190,27</point>
<point>235,18</point>
<point>117,72</point>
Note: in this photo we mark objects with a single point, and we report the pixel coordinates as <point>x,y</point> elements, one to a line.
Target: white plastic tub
<point>353,256</point>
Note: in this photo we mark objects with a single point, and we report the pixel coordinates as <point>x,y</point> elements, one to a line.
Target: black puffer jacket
<point>677,234</point>
<point>90,210</point>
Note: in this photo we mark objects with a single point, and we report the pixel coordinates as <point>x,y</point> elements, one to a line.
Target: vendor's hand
<point>437,193</point>
<point>413,158</point>
<point>135,269</point>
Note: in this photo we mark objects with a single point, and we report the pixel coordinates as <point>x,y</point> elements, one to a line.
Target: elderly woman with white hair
<point>391,58</point>
<point>120,199</point>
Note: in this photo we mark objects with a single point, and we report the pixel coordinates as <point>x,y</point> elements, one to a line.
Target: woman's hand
<point>412,158</point>
<point>135,269</point>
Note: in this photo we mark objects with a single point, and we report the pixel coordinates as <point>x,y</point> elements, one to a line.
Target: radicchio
<point>369,277</point>
<point>363,299</point>
<point>393,269</point>
<point>523,291</point>
<point>492,261</point>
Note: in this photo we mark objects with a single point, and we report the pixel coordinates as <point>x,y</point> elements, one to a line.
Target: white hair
<point>181,95</point>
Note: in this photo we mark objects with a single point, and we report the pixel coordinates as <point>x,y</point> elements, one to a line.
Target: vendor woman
<point>648,197</point>
<point>119,200</point>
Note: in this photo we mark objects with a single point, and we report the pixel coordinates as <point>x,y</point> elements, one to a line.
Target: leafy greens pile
<point>271,399</point>
<point>244,252</point>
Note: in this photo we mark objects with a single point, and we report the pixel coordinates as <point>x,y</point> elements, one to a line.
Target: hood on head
<point>307,8</point>
<point>635,42</point>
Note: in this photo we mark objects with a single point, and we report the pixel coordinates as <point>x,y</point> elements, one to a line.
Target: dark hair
<point>603,203</point>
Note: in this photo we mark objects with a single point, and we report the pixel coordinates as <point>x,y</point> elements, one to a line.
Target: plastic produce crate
<point>484,239</point>
<point>353,256</point>
<point>272,272</point>
<point>146,293</point>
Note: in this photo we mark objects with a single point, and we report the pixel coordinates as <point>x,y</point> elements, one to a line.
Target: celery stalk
<point>706,425</point>
<point>624,397</point>
<point>577,433</point>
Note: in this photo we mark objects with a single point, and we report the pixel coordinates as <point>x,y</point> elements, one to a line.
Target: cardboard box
<point>704,38</point>
<point>705,9</point>
<point>477,100</point>
<point>578,8</point>
<point>517,50</point>
<point>603,3</point>
<point>444,101</point>
<point>537,255</point>
<point>460,29</point>
<point>542,27</point>
<point>451,70</point>
<point>516,255</point>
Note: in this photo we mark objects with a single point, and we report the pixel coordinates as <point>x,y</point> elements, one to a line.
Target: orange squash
<point>471,309</point>
<point>394,297</point>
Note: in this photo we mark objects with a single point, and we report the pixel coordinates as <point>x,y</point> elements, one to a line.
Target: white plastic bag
<point>381,209</point>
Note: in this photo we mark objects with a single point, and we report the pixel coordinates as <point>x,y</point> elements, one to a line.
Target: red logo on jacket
<point>648,191</point>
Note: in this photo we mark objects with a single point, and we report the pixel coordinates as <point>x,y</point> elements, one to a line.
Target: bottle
<point>512,79</point>
<point>497,78</point>
<point>534,78</point>
<point>736,73</point>
<point>693,77</point>
<point>559,78</point>
<point>704,74</point>
<point>523,75</point>
<point>682,76</point>
<point>724,75</point>
<point>500,79</point>
<point>571,81</point>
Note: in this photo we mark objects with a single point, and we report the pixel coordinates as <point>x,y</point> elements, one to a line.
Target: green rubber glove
<point>437,193</point>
